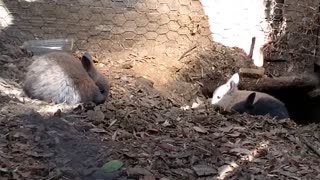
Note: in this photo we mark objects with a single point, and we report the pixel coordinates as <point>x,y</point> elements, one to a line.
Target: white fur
<point>222,90</point>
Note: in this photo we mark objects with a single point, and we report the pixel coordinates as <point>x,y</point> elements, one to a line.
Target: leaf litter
<point>144,126</point>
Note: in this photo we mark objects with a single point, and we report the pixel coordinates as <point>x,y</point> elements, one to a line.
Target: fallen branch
<point>306,80</point>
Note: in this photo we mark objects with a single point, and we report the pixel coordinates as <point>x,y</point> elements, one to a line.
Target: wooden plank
<point>251,72</point>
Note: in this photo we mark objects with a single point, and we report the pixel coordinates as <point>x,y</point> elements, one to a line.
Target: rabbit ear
<point>235,78</point>
<point>232,87</point>
<point>86,61</point>
<point>88,56</point>
<point>250,100</point>
<point>88,65</point>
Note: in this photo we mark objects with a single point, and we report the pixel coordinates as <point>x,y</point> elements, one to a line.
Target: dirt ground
<point>144,125</point>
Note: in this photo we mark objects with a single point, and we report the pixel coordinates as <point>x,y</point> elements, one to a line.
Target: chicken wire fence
<point>293,30</point>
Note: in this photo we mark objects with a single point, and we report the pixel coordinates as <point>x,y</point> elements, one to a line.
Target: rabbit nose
<point>100,99</point>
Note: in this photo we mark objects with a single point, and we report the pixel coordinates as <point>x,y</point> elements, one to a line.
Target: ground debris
<point>144,126</point>
<point>203,170</point>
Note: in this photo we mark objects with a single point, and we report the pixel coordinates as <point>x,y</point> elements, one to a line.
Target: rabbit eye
<point>218,97</point>
<point>102,91</point>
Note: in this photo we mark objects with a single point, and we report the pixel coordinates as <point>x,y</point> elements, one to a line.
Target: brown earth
<point>143,125</point>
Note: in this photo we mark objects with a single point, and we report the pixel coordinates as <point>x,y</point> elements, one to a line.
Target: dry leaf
<point>200,129</point>
<point>235,134</point>
<point>226,129</point>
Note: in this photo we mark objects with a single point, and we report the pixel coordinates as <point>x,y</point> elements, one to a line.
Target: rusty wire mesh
<point>293,33</point>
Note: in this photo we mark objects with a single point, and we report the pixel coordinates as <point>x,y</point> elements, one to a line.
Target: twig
<point>185,53</point>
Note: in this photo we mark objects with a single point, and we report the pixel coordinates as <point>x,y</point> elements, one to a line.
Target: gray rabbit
<point>59,77</point>
<point>229,97</point>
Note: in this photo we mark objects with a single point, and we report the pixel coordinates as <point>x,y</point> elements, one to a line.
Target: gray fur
<point>59,77</point>
<point>262,104</point>
<point>231,99</point>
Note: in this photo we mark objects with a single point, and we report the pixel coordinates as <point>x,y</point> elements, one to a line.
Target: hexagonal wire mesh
<point>94,24</point>
<point>293,33</point>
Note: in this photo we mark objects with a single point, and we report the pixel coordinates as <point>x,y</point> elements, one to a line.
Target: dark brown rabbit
<point>59,77</point>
